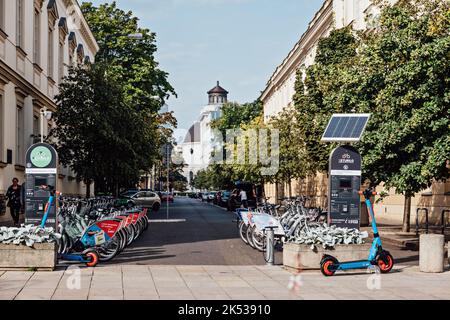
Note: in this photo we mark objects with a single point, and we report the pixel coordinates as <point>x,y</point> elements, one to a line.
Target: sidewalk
<point>217,282</point>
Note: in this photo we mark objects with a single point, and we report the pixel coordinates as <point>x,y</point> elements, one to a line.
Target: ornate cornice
<point>38,4</point>
<point>63,30</point>
<point>72,41</point>
<point>52,13</point>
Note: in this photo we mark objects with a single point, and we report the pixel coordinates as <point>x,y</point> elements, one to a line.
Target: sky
<point>237,42</point>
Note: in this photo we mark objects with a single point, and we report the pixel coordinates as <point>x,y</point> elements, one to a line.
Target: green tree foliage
<point>292,146</point>
<point>98,146</point>
<point>116,101</point>
<point>399,72</point>
<point>320,94</point>
<point>145,85</point>
<point>235,114</point>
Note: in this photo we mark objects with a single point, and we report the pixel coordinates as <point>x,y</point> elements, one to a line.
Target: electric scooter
<point>88,256</point>
<point>377,256</point>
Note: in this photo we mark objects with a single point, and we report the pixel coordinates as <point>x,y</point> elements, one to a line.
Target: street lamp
<point>47,115</point>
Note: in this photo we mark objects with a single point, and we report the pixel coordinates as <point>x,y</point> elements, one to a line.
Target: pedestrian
<point>232,202</point>
<point>244,200</point>
<point>14,200</point>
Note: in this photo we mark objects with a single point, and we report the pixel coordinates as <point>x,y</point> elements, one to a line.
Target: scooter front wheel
<point>385,262</point>
<point>93,259</point>
<point>328,266</point>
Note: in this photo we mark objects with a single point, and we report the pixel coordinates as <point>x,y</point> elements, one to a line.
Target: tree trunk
<point>290,187</point>
<point>276,192</point>
<point>88,189</point>
<point>407,214</point>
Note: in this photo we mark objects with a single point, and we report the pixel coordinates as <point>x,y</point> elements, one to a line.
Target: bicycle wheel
<point>62,243</point>
<point>243,232</point>
<point>130,230</point>
<point>123,239</point>
<point>137,230</point>
<point>109,250</point>
<point>249,237</point>
<point>259,240</point>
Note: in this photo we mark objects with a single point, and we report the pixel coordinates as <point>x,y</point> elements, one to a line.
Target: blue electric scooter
<point>89,256</point>
<point>377,256</point>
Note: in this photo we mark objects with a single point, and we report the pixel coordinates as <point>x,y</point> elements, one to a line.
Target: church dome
<point>193,135</point>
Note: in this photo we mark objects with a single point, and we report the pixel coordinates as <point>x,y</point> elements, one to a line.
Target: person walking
<point>14,200</point>
<point>244,199</point>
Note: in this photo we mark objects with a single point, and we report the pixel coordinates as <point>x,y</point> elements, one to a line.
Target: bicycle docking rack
<point>426,220</point>
<point>443,220</point>
<point>426,211</point>
<point>270,245</point>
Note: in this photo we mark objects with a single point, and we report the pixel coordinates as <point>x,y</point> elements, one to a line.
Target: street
<point>199,233</point>
<point>208,236</point>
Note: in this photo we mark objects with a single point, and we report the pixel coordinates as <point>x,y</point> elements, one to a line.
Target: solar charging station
<point>345,169</point>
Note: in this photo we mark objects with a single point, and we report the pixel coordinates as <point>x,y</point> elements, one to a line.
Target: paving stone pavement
<point>135,282</point>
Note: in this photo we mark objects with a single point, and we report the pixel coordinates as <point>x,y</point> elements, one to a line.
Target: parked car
<point>225,196</point>
<point>167,196</point>
<point>211,196</point>
<point>204,196</point>
<point>146,199</point>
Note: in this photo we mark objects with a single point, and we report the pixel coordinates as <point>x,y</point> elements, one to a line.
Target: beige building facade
<point>280,89</point>
<point>39,40</point>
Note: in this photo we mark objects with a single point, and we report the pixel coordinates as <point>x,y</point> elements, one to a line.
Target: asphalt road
<point>208,236</point>
<point>203,234</point>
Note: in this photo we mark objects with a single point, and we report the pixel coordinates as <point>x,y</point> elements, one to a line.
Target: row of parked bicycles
<point>97,229</point>
<point>288,221</point>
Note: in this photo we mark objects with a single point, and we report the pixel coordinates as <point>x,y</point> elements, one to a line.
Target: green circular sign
<point>41,157</point>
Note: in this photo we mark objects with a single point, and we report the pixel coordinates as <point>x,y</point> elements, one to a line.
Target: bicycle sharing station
<point>57,228</point>
<point>309,243</point>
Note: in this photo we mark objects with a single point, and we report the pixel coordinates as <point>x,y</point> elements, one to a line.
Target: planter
<point>301,257</point>
<point>42,256</point>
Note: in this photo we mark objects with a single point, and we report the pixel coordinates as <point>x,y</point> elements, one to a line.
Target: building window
<point>20,156</point>
<point>50,52</point>
<point>19,24</point>
<point>2,135</point>
<point>60,62</point>
<point>37,37</point>
<point>36,129</point>
<point>2,14</point>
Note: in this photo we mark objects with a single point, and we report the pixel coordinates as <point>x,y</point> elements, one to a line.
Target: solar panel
<point>346,127</point>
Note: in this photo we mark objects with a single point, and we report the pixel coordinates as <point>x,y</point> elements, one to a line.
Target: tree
<point>404,73</point>
<point>145,85</point>
<point>320,95</point>
<point>291,153</point>
<point>90,144</point>
<point>128,90</point>
<point>398,72</point>
<point>235,114</point>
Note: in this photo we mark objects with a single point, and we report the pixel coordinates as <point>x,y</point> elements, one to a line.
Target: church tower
<point>217,95</point>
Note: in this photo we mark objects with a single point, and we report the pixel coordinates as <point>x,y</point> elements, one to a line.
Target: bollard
<point>431,253</point>
<point>270,246</point>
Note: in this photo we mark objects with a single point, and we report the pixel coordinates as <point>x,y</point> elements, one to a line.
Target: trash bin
<point>431,253</point>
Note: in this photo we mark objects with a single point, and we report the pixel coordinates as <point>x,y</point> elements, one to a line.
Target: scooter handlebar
<point>373,193</point>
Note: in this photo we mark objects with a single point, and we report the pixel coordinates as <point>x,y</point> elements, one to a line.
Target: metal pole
<point>168,187</point>
<point>270,244</point>
<point>42,125</point>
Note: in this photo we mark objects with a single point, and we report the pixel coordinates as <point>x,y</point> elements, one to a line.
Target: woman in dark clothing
<point>14,200</point>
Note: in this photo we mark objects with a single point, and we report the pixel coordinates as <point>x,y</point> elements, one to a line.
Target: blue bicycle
<point>377,255</point>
